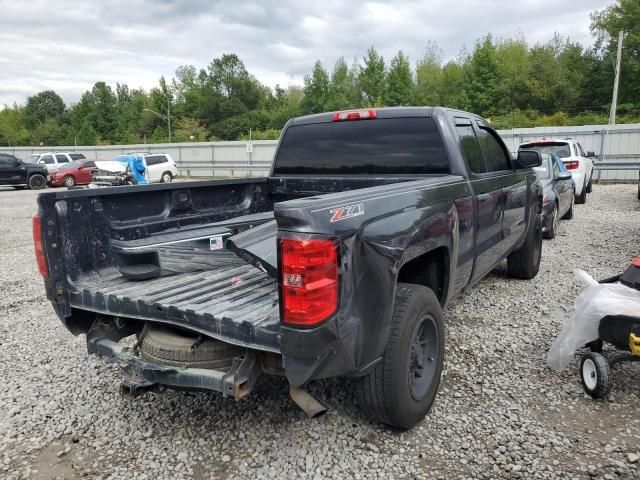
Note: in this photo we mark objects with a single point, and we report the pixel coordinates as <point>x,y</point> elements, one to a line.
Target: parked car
<point>558,190</point>
<point>54,160</point>
<point>339,263</point>
<point>161,168</point>
<point>79,172</point>
<point>579,163</point>
<point>21,174</point>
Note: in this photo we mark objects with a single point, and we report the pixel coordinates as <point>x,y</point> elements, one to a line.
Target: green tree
<point>189,129</point>
<point>513,69</point>
<point>372,79</point>
<point>343,87</point>
<point>605,24</point>
<point>399,81</point>
<point>46,105</point>
<point>429,86</point>
<point>482,76</point>
<point>454,86</point>
<point>13,126</point>
<point>316,90</point>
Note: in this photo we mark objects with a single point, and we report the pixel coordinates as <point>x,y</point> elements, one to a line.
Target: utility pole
<point>169,114</point>
<point>614,101</point>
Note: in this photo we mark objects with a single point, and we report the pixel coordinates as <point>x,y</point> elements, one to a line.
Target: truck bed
<point>237,303</point>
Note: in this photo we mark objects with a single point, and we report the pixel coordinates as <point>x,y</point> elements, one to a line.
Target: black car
<point>559,193</point>
<point>20,174</point>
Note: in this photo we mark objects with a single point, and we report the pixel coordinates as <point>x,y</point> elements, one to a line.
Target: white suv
<point>160,166</point>
<point>54,160</point>
<point>579,163</point>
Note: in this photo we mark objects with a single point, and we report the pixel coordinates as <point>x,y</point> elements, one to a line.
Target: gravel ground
<point>500,412</point>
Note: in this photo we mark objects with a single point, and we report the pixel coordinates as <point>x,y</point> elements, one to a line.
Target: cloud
<point>68,45</point>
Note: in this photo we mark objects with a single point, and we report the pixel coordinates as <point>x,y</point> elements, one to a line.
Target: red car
<point>73,173</point>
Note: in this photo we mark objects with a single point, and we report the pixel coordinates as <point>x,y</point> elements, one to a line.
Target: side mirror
<point>590,154</point>
<point>528,159</point>
<point>564,176</point>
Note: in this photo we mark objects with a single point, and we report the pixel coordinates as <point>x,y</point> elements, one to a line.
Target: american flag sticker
<point>216,243</point>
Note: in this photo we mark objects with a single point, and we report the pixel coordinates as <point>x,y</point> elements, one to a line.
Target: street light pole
<point>165,118</point>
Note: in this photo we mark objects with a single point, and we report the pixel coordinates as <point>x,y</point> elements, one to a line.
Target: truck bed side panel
<point>394,224</point>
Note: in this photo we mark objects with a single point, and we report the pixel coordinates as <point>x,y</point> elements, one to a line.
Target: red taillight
<point>572,165</point>
<point>354,115</point>
<point>309,280</point>
<point>636,262</point>
<point>37,241</point>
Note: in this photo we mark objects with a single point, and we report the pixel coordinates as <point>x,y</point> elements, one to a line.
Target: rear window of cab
<point>381,146</point>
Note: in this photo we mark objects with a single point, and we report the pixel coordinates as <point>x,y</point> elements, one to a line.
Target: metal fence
<point>617,149</point>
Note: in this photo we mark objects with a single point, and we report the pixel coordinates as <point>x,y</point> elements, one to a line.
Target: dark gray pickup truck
<point>337,264</point>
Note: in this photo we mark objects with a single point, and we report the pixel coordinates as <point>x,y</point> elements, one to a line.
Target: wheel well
<point>431,270</point>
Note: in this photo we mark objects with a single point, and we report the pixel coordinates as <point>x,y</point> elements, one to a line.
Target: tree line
<point>508,81</point>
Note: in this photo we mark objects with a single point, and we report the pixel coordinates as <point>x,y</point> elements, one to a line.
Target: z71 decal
<point>348,211</point>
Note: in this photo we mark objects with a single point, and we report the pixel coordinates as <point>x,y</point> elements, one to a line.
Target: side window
<point>580,150</point>
<point>471,148</point>
<point>62,158</point>
<point>494,153</point>
<point>153,160</point>
<point>89,164</point>
<point>8,161</point>
<point>556,169</point>
<point>48,159</point>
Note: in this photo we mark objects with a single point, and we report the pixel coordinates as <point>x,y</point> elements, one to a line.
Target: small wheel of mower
<point>595,374</point>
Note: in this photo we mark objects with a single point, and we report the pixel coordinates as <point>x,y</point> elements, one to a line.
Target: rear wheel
<point>184,349</point>
<point>524,263</point>
<point>166,177</point>
<point>69,181</point>
<point>37,182</point>
<point>551,232</point>
<point>569,214</point>
<point>402,387</point>
<point>582,198</point>
<point>590,186</point>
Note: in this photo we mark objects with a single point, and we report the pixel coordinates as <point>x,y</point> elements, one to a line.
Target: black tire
<point>569,213</point>
<point>551,232</point>
<point>582,198</point>
<point>524,263</point>
<point>402,387</point>
<point>69,181</point>
<point>590,186</point>
<point>595,374</point>
<point>36,182</point>
<point>165,346</point>
<point>166,177</point>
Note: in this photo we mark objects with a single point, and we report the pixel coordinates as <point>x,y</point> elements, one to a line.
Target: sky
<point>67,45</point>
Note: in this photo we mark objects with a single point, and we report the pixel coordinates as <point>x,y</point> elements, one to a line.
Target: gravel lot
<point>500,412</point>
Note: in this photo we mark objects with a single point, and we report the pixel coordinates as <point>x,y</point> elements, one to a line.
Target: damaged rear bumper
<point>141,375</point>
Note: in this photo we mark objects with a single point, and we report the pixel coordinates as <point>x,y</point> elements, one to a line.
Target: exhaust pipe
<point>306,402</point>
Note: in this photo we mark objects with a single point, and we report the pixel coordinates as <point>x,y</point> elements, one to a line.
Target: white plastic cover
<point>581,327</point>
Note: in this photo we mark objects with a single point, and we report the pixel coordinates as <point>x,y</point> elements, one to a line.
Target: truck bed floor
<point>235,303</point>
